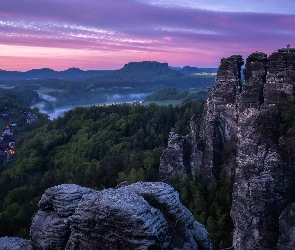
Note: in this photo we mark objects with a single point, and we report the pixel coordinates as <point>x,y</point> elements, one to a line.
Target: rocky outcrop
<point>175,158</point>
<point>220,115</point>
<point>263,176</point>
<point>138,216</point>
<point>184,154</point>
<point>202,149</point>
<point>287,229</point>
<point>49,229</point>
<point>241,132</point>
<point>13,243</point>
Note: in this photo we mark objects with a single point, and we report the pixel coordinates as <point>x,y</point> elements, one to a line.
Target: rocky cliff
<point>184,154</point>
<point>210,134</point>
<point>264,176</point>
<point>220,115</point>
<point>143,215</point>
<point>248,117</point>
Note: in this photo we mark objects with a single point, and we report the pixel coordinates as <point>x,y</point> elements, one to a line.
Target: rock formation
<point>247,117</point>
<point>49,229</point>
<point>175,158</point>
<point>138,216</point>
<point>263,176</point>
<point>220,115</point>
<point>202,148</point>
<point>14,243</point>
<point>184,154</point>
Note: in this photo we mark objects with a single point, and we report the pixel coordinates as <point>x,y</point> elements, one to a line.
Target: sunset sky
<point>106,34</point>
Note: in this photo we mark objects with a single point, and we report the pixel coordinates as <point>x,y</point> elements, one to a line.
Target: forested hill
<point>187,70</point>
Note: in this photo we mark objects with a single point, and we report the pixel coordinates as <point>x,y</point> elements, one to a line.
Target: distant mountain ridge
<point>71,73</point>
<point>188,70</point>
<point>131,70</point>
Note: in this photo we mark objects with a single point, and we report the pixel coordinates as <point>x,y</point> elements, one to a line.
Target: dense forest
<point>99,147</point>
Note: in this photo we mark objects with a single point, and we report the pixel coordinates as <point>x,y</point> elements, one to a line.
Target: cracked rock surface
<point>144,215</point>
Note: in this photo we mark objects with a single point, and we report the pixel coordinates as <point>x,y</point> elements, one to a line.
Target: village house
<point>8,130</point>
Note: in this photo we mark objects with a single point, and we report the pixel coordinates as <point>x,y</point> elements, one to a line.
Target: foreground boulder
<point>143,215</point>
<point>49,229</point>
<point>14,243</point>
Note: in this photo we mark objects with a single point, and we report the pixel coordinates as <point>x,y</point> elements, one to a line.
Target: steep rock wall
<point>220,115</point>
<point>184,154</point>
<point>263,176</point>
<point>248,118</point>
<point>202,149</point>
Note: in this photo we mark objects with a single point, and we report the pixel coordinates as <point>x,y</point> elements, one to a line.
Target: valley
<point>229,154</point>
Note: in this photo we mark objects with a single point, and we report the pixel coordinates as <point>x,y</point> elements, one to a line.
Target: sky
<point>106,34</point>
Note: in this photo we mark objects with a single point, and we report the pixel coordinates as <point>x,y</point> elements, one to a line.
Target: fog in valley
<point>49,107</point>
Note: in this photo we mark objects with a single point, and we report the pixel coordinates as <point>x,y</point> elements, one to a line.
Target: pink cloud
<point>131,30</point>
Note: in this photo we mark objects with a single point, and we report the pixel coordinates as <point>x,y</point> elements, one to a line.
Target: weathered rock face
<point>184,154</point>
<point>280,76</point>
<point>138,216</point>
<point>175,158</point>
<point>246,119</point>
<point>196,144</point>
<point>249,106</point>
<point>49,229</point>
<point>263,178</point>
<point>202,148</point>
<point>220,114</point>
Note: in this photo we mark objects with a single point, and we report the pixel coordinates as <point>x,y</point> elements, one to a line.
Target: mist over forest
<point>54,92</point>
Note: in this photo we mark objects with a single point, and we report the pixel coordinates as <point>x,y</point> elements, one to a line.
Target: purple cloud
<point>144,27</point>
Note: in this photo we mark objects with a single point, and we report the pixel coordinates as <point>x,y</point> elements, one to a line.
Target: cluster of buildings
<point>7,148</point>
<point>7,144</point>
<point>7,131</point>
